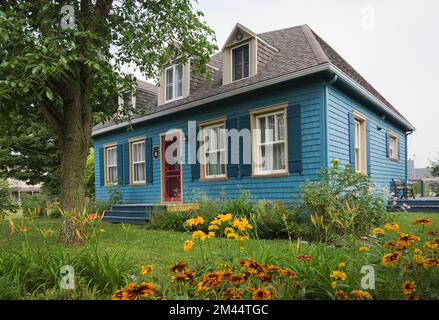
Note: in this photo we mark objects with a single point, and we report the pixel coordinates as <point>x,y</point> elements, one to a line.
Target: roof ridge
<point>314,44</point>
<point>281,29</point>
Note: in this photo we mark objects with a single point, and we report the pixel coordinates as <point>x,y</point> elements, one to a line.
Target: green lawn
<point>164,248</point>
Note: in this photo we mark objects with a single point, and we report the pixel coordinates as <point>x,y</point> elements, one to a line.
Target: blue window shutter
<point>195,168</point>
<point>232,168</point>
<point>101,167</point>
<point>120,164</point>
<point>352,139</point>
<point>245,168</point>
<point>368,151</point>
<point>387,145</point>
<point>126,164</point>
<point>294,134</point>
<point>149,160</point>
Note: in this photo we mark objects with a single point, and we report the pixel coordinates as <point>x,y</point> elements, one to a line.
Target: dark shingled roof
<point>299,48</point>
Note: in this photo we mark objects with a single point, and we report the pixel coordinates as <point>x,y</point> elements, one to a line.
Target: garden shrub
<point>161,219</point>
<point>6,202</point>
<point>30,203</point>
<point>343,202</point>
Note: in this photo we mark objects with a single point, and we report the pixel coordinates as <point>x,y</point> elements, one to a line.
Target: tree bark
<point>74,143</point>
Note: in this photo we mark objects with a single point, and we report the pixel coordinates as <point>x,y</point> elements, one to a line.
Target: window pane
<point>169,76</point>
<point>262,129</point>
<point>169,93</point>
<point>112,157</point>
<point>270,128</point>
<point>179,72</point>
<point>178,81</point>
<point>280,127</point>
<point>240,62</point>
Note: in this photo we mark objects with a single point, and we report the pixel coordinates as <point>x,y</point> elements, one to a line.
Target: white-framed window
<point>271,143</point>
<point>360,144</point>
<point>174,82</point>
<point>138,163</point>
<point>214,151</point>
<point>393,147</point>
<point>241,62</point>
<point>111,164</point>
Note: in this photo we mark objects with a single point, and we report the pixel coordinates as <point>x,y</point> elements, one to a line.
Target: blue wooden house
<point>316,106</point>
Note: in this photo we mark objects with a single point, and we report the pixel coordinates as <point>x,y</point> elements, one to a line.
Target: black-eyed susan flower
<point>242,224</point>
<point>391,227</point>
<point>117,295</point>
<point>144,270</point>
<point>304,258</point>
<point>423,221</point>
<point>261,294</point>
<point>187,245</point>
<point>195,221</point>
<point>378,231</point>
<point>391,259</point>
<point>363,248</point>
<point>341,264</point>
<point>408,287</point>
<point>361,295</point>
<point>179,266</point>
<point>339,275</point>
<point>199,235</point>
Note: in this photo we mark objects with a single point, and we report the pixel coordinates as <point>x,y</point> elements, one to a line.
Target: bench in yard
<point>400,187</point>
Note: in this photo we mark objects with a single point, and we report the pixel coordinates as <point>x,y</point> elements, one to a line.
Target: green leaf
<point>49,93</point>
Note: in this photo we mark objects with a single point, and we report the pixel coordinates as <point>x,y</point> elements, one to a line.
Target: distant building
<point>19,187</point>
<point>411,169</point>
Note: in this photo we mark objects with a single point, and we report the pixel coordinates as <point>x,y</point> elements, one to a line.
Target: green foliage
<point>116,195</point>
<point>31,202</point>
<point>6,202</point>
<point>164,220</point>
<point>343,202</point>
<point>29,151</point>
<point>435,167</point>
<point>90,175</point>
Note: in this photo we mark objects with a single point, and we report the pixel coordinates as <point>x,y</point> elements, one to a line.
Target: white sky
<point>394,44</point>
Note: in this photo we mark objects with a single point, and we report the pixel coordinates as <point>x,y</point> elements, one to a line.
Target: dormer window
<point>241,62</point>
<point>127,103</point>
<point>174,82</point>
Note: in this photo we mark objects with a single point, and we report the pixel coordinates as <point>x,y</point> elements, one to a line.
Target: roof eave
<point>309,71</point>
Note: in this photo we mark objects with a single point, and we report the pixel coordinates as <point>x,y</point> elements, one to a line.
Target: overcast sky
<point>394,44</point>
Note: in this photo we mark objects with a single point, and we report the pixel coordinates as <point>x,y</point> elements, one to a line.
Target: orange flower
<point>261,294</point>
<point>361,295</point>
<point>144,270</point>
<point>179,266</point>
<point>363,248</point>
<point>423,221</point>
<point>304,257</point>
<point>391,259</point>
<point>391,226</point>
<point>408,287</point>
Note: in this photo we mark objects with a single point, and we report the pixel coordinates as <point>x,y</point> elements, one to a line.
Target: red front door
<point>171,172</point>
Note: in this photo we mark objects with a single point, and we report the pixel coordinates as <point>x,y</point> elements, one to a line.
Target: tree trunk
<point>74,143</point>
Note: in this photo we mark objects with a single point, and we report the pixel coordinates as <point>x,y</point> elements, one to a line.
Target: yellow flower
<point>430,245</point>
<point>228,230</point>
<point>431,262</point>
<point>243,238</point>
<point>195,221</point>
<point>341,265</point>
<point>261,294</point>
<point>212,227</point>
<point>304,257</point>
<point>188,244</point>
<point>408,287</point>
<point>361,295</point>
<point>232,235</point>
<point>339,275</point>
<point>378,231</point>
<point>210,234</point>
<point>423,221</point>
<point>102,230</point>
<point>391,259</point>
<point>417,251</point>
<point>333,284</point>
<point>363,248</point>
<point>144,270</point>
<point>242,224</point>
<point>391,226</point>
<point>418,259</point>
<point>199,235</point>
<point>225,217</point>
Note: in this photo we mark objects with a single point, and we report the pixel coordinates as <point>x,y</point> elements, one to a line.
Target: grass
<point>164,248</point>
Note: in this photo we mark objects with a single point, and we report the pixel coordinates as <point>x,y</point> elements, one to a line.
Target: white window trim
<point>394,140</point>
<point>362,160</point>
<point>231,61</point>
<point>107,166</point>
<point>174,82</point>
<point>258,168</point>
<point>204,159</point>
<point>133,163</point>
